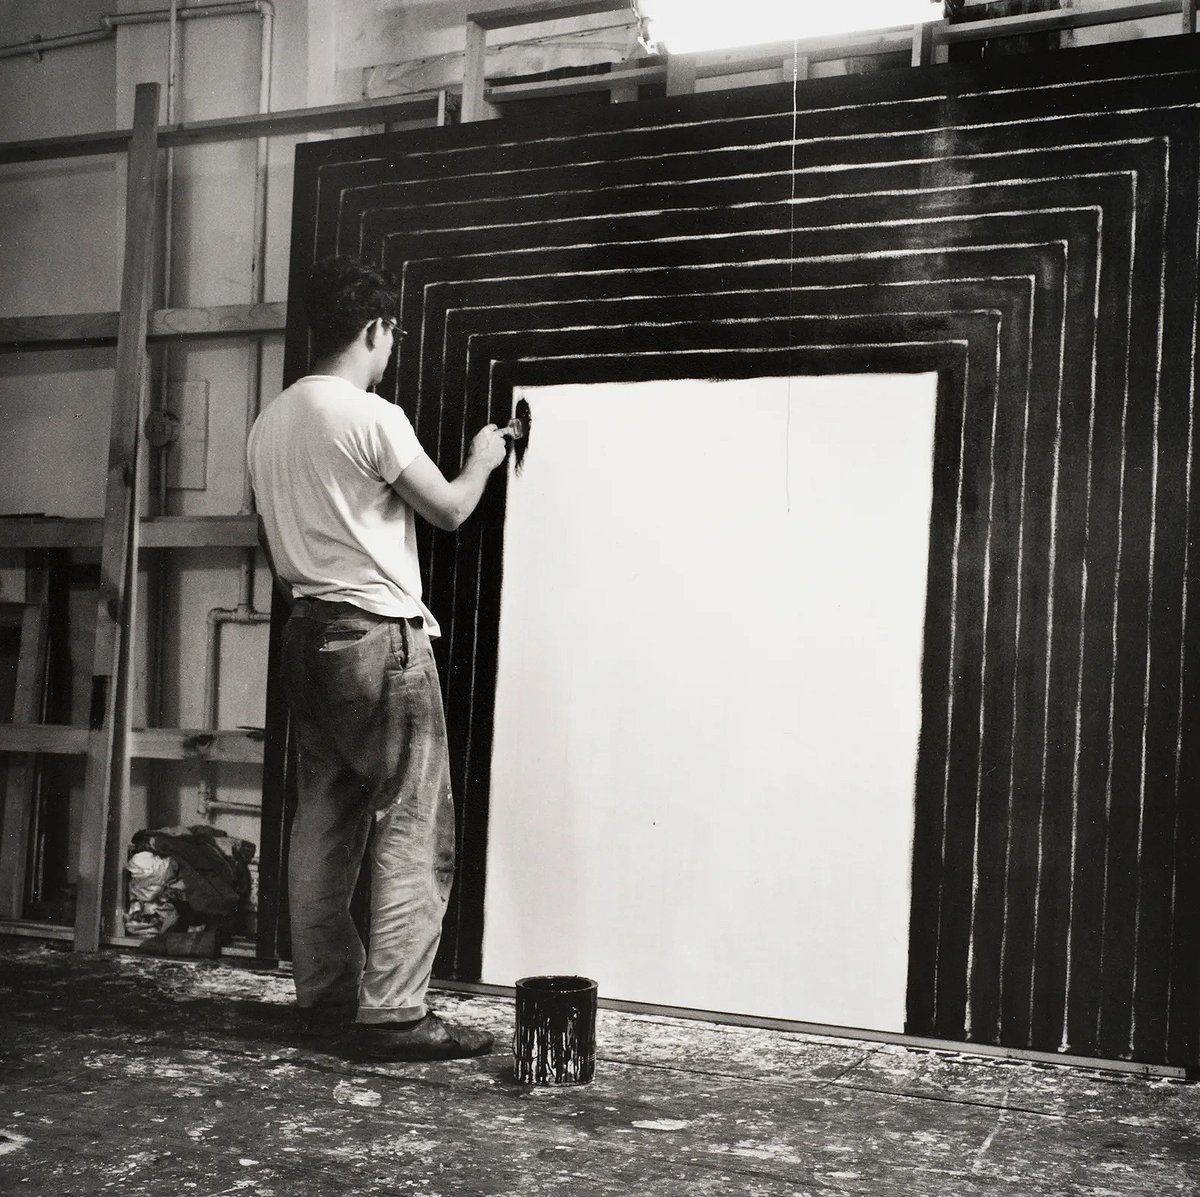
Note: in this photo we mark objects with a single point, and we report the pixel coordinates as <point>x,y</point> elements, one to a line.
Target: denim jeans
<point>370,733</point>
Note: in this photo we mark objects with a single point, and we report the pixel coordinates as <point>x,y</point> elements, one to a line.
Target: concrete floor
<point>124,1073</point>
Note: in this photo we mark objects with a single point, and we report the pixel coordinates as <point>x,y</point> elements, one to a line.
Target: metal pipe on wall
<point>36,46</point>
<point>152,16</point>
<point>217,618</point>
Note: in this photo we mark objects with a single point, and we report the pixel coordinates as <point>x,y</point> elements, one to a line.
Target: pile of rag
<point>188,888</point>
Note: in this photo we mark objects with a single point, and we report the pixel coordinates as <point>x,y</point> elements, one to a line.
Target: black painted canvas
<point>1027,229</point>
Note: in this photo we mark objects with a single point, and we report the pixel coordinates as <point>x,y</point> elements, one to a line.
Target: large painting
<point>1027,231</point>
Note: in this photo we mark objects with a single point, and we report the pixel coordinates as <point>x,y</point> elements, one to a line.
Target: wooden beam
<point>505,14</point>
<point>52,738</point>
<point>20,333</point>
<point>923,44</point>
<point>240,745</point>
<point>223,320</point>
<point>625,83</point>
<point>474,104</point>
<point>107,755</point>
<point>681,74</point>
<point>20,790</point>
<point>1047,22</point>
<point>48,532</point>
<point>893,40</point>
<point>78,145</point>
<point>288,123</point>
<point>119,824</point>
<point>158,532</point>
<point>48,332</point>
<point>200,532</point>
<point>295,121</point>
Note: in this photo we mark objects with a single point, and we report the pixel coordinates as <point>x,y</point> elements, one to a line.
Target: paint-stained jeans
<point>371,737</point>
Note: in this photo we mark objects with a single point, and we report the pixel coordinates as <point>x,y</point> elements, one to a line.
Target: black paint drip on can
<point>555,1038</point>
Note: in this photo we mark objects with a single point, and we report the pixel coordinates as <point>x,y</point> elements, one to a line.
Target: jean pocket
<point>342,634</point>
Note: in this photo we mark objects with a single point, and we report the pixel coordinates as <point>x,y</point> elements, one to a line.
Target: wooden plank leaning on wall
<point>108,741</point>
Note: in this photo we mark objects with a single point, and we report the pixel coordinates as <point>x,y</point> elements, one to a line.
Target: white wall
<point>708,695</point>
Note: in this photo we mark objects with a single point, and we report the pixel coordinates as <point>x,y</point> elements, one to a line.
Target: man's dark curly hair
<point>342,295</point>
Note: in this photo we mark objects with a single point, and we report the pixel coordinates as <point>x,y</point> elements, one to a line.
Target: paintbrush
<point>517,429</point>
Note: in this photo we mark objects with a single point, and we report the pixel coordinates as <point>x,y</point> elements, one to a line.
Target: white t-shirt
<point>322,457</point>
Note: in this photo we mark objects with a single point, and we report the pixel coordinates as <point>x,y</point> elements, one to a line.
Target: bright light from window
<point>688,26</point>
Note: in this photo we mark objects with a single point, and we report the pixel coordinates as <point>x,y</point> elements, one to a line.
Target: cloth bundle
<point>184,880</point>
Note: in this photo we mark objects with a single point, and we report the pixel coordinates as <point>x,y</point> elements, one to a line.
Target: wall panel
<point>1029,230</point>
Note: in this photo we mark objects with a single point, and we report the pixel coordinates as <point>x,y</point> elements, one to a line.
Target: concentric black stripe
<point>1029,231</point>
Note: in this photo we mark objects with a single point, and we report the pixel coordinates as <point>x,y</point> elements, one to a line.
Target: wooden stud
<point>20,790</point>
<point>923,44</point>
<point>681,74</point>
<point>474,105</point>
<point>108,750</point>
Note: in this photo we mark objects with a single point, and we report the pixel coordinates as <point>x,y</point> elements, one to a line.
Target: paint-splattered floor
<point>130,1074</point>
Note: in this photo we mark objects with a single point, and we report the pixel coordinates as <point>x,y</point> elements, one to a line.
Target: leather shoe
<point>325,1022</point>
<point>429,1039</point>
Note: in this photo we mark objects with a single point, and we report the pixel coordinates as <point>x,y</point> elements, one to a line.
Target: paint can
<point>555,1038</point>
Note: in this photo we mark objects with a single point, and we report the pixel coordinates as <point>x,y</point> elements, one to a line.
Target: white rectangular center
<point>708,698</point>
